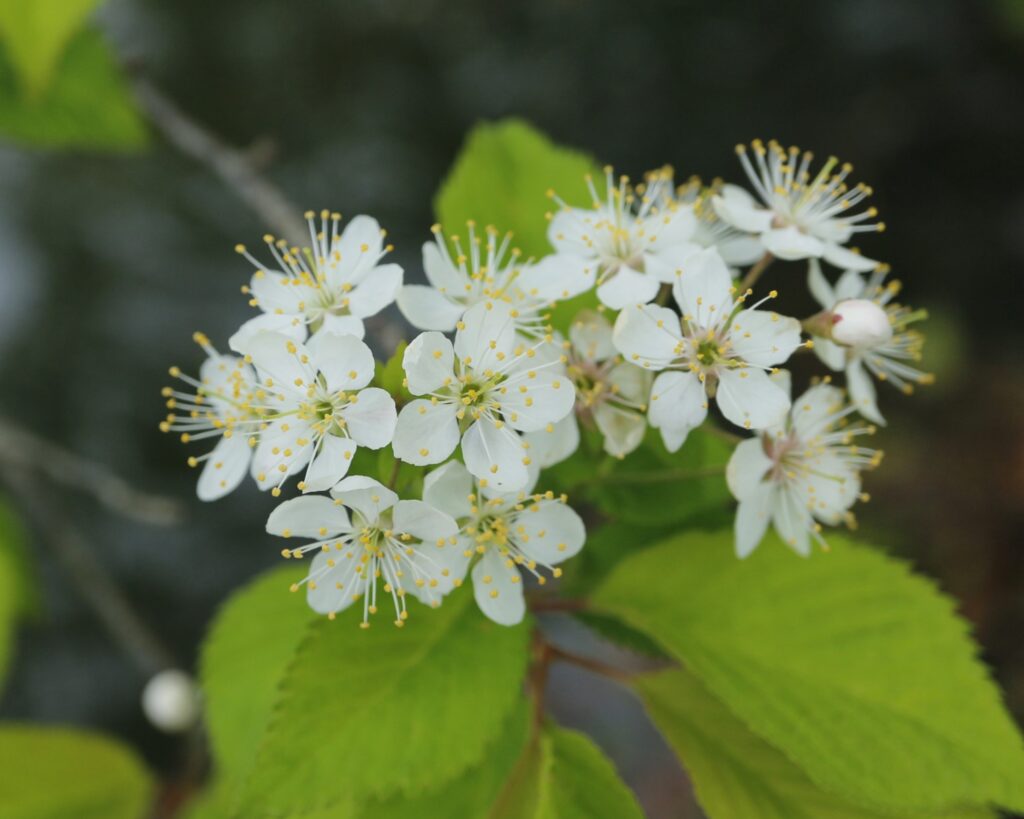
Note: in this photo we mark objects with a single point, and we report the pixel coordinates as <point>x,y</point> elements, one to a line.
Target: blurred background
<point>116,247</point>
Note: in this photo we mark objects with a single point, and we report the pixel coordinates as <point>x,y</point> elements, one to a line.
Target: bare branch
<point>235,167</point>
<point>26,451</point>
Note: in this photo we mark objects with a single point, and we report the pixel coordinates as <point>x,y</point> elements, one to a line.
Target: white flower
<point>490,273</point>
<point>511,533</point>
<point>611,394</point>
<point>321,413</point>
<point>737,248</point>
<point>330,287</point>
<point>860,323</point>
<point>223,405</point>
<point>800,472</point>
<point>485,390</point>
<point>170,701</point>
<point>401,542</point>
<point>801,217</point>
<point>884,355</point>
<point>635,238</point>
<point>715,348</point>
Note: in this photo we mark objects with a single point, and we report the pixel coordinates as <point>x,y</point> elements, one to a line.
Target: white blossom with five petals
<point>485,390</point>
<point>715,347</point>
<point>509,534</point>
<point>367,542</point>
<point>321,410</point>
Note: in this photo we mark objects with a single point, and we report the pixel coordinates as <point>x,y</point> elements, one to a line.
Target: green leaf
<point>243,660</point>
<point>390,375</point>
<point>736,774</point>
<point>87,105</point>
<point>416,706</point>
<point>606,547</point>
<point>35,35</point>
<point>501,178</point>
<point>14,551</point>
<point>565,776</point>
<point>857,670</point>
<point>52,773</point>
<point>691,490</point>
<point>615,631</point>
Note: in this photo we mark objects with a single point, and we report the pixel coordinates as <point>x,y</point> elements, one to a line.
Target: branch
<point>598,667</point>
<point>24,450</point>
<point>232,165</point>
<point>755,272</point>
<point>95,586</point>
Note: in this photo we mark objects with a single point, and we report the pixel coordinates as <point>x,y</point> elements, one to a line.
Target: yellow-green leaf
<point>35,33</point>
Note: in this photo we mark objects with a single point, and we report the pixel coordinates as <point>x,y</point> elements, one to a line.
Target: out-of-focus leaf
<point>407,708</point>
<point>14,550</point>
<point>87,104</point>
<point>53,773</point>
<point>859,671</point>
<point>736,774</point>
<point>565,776</point>
<point>501,177</point>
<point>35,34</point>
<point>607,545</point>
<point>622,635</point>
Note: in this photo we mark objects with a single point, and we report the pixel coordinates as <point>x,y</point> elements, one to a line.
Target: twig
<point>25,450</point>
<point>612,672</point>
<point>755,272</point>
<point>233,166</point>
<point>97,589</point>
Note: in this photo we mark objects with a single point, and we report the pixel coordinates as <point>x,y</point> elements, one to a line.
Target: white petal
<point>846,259</point>
<point>737,207</point>
<point>674,437</point>
<point>674,226</point>
<point>792,520</point>
<point>345,361</point>
<point>428,363</point>
<point>287,363</point>
<point>426,433</point>
<point>749,399</point>
<point>627,286</point>
<point>747,468</point>
<point>630,382</point>
<point>704,290</point>
<point>451,562</point>
<point>550,448</point>
<point>830,353</point>
<point>376,291</point>
<point>495,455</point>
<point>448,488</point>
<point>313,516</point>
<point>329,463</point>
<point>812,411</point>
<point>278,294</point>
<point>764,338</point>
<point>428,309</point>
<point>322,593</point>
<point>360,248</point>
<point>572,230</point>
<point>291,326</point>
<point>342,326</point>
<point>850,286</point>
<point>791,243</point>
<point>498,589</point>
<point>279,453</point>
<point>862,391</point>
<point>225,467</point>
<point>740,250</point>
<point>557,277</point>
<point>371,417</point>
<point>648,335</point>
<point>591,336</point>
<point>752,517</point>
<point>423,521</point>
<point>549,532</point>
<point>623,429</point>
<point>819,285</point>
<point>442,275</point>
<point>366,496</point>
<point>529,404</point>
<point>677,401</point>
<point>488,335</point>
<point>668,263</point>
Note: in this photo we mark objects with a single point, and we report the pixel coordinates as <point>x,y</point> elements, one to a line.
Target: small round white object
<point>860,323</point>
<point>170,701</point>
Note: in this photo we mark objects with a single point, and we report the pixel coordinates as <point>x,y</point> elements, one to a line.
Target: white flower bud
<point>860,323</point>
<point>170,701</point>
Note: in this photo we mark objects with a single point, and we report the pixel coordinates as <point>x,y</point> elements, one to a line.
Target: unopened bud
<point>860,323</point>
<point>170,701</point>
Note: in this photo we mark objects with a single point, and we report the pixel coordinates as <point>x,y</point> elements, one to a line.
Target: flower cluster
<point>670,330</point>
